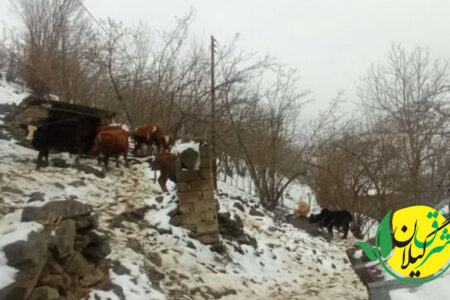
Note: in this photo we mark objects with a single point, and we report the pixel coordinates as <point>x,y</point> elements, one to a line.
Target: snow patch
<point>11,231</point>
<point>11,93</point>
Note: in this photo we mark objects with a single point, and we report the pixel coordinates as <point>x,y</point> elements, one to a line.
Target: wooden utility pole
<point>213,114</point>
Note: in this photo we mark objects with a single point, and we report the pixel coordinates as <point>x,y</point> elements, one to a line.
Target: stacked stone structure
<point>197,204</point>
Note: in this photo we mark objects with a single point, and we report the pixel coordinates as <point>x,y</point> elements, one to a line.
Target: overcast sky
<point>331,42</point>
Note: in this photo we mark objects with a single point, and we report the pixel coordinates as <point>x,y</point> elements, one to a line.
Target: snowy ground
<point>287,263</point>
<point>151,259</point>
<point>10,92</point>
<point>436,289</point>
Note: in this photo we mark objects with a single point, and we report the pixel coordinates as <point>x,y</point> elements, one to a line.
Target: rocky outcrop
<point>63,261</point>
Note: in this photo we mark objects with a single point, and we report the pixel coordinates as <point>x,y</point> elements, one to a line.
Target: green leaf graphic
<point>368,250</point>
<point>384,237</point>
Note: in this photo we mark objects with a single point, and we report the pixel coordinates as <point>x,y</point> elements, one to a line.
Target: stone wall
<point>197,205</point>
<point>64,260</point>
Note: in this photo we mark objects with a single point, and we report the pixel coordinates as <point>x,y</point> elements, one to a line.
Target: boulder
<point>44,293</point>
<point>64,209</point>
<point>78,265</point>
<point>81,241</point>
<point>77,183</point>
<point>92,279</point>
<point>97,237</point>
<point>65,238</point>
<point>36,196</point>
<point>33,252</point>
<point>56,281</point>
<point>89,170</point>
<point>254,212</point>
<point>87,223</point>
<point>97,252</point>
<point>189,159</point>
<point>29,257</point>
<point>59,163</point>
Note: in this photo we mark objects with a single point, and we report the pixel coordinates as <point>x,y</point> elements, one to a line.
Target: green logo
<point>412,245</point>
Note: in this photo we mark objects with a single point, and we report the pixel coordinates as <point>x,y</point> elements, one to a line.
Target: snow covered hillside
<point>153,259</point>
<point>10,93</point>
<point>159,259</point>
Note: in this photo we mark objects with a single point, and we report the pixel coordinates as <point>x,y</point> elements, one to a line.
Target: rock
<point>97,237</point>
<point>135,216</point>
<point>54,267</point>
<point>189,159</point>
<point>65,238</point>
<point>254,212</point>
<point>119,269</point>
<point>164,230</point>
<point>239,198</point>
<point>78,265</point>
<point>32,252</point>
<point>154,275</point>
<point>135,245</point>
<point>92,279</point>
<point>7,189</point>
<point>36,196</point>
<point>155,258</point>
<point>22,287</point>
<point>44,293</point>
<point>77,183</point>
<point>70,296</point>
<point>59,185</point>
<point>81,241</point>
<point>233,230</point>
<point>219,248</point>
<point>56,281</point>
<point>87,223</point>
<point>239,206</point>
<point>230,227</point>
<point>118,291</point>
<point>191,245</point>
<point>97,252</point>
<point>176,219</point>
<point>64,209</point>
<point>59,163</point>
<point>29,257</point>
<point>89,170</point>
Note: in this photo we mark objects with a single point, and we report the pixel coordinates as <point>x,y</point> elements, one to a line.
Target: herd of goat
<point>85,135</point>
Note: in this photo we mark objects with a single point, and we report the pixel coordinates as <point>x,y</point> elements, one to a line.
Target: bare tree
<point>54,39</point>
<point>409,94</point>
